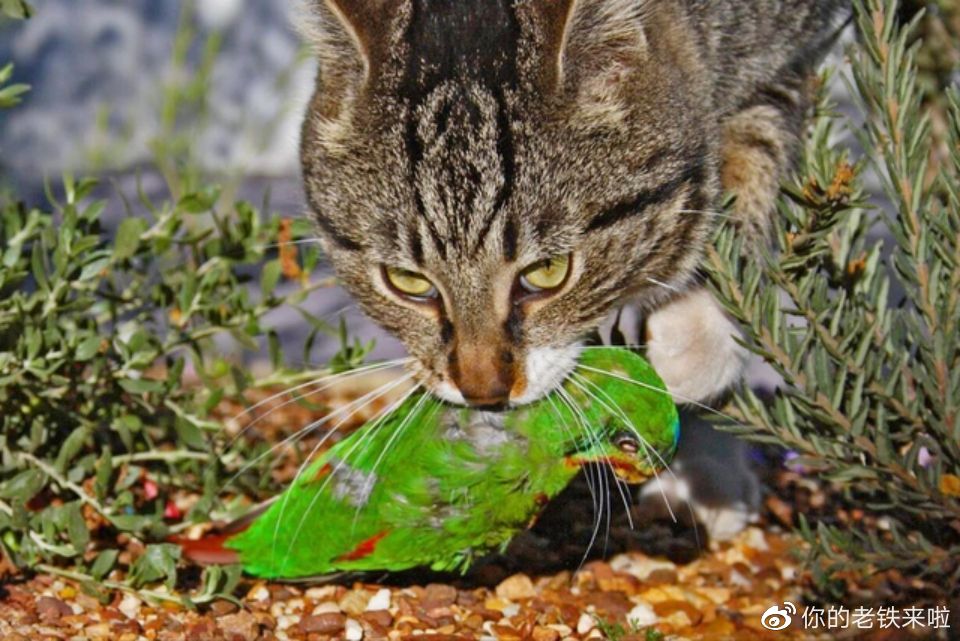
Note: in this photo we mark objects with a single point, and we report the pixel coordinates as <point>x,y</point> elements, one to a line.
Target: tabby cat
<point>492,177</point>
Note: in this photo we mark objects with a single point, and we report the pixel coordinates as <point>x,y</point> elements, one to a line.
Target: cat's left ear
<point>577,40</point>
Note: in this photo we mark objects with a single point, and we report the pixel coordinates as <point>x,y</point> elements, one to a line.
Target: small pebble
<point>222,607</point>
<point>585,623</point>
<point>756,539</point>
<point>327,623</point>
<point>325,607</point>
<point>241,625</point>
<point>97,631</point>
<point>285,621</point>
<point>51,609</point>
<point>353,630</point>
<point>739,580</point>
<point>259,593</point>
<point>640,567</point>
<point>437,595</point>
<point>518,586</point>
<point>545,634</point>
<point>642,615</point>
<point>354,602</point>
<point>379,601</point>
<point>383,618</point>
<point>322,593</point>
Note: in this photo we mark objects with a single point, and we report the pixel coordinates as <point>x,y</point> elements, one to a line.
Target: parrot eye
<point>627,444</point>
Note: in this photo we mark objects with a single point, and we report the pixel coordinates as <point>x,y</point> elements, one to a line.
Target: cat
<point>491,178</point>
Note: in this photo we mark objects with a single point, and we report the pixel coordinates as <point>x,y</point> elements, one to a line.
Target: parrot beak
<point>625,467</point>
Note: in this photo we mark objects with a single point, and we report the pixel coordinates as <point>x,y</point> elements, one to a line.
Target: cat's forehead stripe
<point>692,174</point>
<point>458,141</point>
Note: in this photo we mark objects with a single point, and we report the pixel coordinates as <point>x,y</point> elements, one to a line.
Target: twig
<point>50,471</point>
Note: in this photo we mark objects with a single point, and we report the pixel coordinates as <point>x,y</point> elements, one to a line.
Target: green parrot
<point>439,486</point>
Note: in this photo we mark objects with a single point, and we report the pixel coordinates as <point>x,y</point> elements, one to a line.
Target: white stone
<point>379,601</point>
<point>639,566</point>
<point>321,593</point>
<point>285,621</point>
<point>642,615</point>
<point>353,631</point>
<point>326,607</point>
<point>585,623</point>
<point>130,606</point>
<point>755,539</point>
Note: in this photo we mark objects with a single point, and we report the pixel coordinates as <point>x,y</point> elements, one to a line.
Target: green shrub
<point>98,332</point>
<point>871,393</point>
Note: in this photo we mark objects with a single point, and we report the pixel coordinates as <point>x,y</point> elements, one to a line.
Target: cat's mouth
<point>546,368</point>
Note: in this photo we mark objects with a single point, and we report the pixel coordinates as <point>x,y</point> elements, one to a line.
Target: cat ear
<point>348,36</point>
<point>582,40</point>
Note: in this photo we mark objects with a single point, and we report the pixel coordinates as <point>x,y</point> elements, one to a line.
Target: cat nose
<point>488,404</point>
<point>483,388</point>
<point>482,375</point>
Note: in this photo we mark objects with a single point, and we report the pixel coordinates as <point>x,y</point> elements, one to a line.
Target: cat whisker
<point>658,283</point>
<point>650,449</point>
<point>674,395</point>
<point>620,486</point>
<point>601,480</point>
<point>351,408</point>
<point>573,438</point>
<point>372,475</point>
<point>331,378</point>
<point>612,406</point>
<point>377,421</point>
<point>632,346</point>
<point>301,241</point>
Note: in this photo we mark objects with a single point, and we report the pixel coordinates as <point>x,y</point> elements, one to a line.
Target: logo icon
<point>778,618</point>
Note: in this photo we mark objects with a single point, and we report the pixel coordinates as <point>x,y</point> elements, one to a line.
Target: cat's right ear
<point>349,39</point>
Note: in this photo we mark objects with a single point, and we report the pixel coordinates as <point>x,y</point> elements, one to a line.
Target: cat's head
<point>490,178</point>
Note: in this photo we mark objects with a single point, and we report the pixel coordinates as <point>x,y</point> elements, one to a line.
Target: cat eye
<point>410,283</point>
<point>546,274</point>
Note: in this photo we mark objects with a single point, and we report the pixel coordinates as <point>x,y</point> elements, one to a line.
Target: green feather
<point>438,486</point>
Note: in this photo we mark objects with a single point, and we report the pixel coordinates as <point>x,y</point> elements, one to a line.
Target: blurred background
<point>154,94</point>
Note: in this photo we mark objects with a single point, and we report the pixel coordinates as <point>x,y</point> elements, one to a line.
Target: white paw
<point>690,342</point>
<point>711,480</point>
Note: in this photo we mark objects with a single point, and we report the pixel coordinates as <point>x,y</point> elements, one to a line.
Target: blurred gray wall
<point>90,58</point>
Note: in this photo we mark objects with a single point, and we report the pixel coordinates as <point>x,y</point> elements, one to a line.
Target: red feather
<point>364,549</point>
<point>208,550</point>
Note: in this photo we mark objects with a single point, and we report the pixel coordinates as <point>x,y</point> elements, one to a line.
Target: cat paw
<point>690,342</point>
<point>711,480</point>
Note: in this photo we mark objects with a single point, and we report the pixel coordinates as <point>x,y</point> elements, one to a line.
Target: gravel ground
<point>720,595</point>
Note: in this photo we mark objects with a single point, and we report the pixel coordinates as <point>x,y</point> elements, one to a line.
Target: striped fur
<point>468,139</point>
